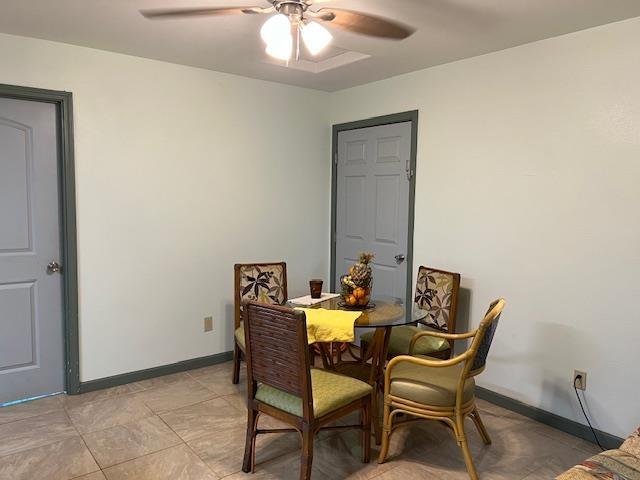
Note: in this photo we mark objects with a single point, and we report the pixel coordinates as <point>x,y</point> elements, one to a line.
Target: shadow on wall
<point>463,318</point>
<point>229,326</point>
<point>549,364</point>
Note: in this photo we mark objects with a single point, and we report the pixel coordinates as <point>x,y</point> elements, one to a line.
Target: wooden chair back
<point>481,344</point>
<point>277,351</point>
<point>437,292</point>
<point>262,282</point>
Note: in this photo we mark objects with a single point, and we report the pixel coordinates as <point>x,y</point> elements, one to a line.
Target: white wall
<point>181,172</point>
<point>528,184</point>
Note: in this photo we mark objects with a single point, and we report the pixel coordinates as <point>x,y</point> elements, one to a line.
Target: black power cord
<point>579,377</point>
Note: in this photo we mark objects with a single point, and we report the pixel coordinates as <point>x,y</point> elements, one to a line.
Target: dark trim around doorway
<point>64,104</point>
<point>410,116</point>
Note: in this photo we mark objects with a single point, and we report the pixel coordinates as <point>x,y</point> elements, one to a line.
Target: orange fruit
<point>363,301</point>
<point>353,301</point>
<point>359,293</point>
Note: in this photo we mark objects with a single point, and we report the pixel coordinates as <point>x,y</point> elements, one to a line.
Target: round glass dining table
<point>383,315</point>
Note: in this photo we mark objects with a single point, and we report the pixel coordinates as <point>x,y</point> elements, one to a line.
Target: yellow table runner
<point>327,326</point>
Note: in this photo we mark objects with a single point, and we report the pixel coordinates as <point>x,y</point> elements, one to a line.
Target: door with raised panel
<point>372,203</point>
<point>31,321</point>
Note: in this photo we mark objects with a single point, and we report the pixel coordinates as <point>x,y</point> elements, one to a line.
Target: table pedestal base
<point>369,368</point>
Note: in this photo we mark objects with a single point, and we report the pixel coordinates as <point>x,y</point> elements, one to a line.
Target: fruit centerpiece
<point>356,286</point>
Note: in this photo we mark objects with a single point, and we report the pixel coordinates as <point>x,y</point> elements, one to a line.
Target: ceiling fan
<point>294,19</point>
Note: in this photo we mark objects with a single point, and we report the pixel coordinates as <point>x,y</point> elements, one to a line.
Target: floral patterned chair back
<point>437,292</point>
<point>260,282</point>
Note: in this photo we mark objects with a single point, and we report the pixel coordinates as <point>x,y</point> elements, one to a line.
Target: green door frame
<point>64,109</point>
<point>410,116</point>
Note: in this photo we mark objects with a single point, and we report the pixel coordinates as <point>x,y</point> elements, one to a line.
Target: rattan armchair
<point>432,389</point>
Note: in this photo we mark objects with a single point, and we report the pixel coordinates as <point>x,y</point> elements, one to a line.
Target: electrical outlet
<point>580,379</point>
<point>208,324</point>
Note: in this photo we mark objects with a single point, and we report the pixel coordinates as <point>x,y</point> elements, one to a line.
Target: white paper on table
<point>307,301</point>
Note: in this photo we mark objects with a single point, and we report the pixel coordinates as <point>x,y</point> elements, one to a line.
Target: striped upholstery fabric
<point>621,464</point>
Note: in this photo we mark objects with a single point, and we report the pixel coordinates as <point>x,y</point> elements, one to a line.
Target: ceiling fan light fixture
<point>315,37</point>
<point>280,48</point>
<point>275,28</point>
<point>276,33</point>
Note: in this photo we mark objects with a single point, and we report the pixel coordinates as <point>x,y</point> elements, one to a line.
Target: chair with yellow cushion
<point>443,390</point>
<point>282,384</point>
<point>436,292</point>
<point>261,282</point>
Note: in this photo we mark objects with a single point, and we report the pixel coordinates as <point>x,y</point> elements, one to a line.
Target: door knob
<point>54,267</point>
<point>399,258</point>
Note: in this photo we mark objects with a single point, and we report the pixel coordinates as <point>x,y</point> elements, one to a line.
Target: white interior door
<point>31,322</point>
<point>372,209</point>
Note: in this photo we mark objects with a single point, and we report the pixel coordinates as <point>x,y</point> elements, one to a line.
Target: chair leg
<point>461,437</point>
<point>250,442</point>
<point>312,355</point>
<point>237,356</point>
<point>375,408</point>
<point>475,416</point>
<point>386,433</point>
<point>363,348</point>
<point>307,455</point>
<point>365,422</point>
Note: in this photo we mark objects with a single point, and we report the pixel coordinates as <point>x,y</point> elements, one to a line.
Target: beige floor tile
<point>238,400</point>
<point>218,380</point>
<point>159,381</point>
<point>118,426</point>
<point>339,456</point>
<point>30,409</point>
<point>485,406</point>
<point>514,453</point>
<point>411,471</point>
<point>57,461</point>
<point>552,468</point>
<point>562,437</point>
<point>176,463</point>
<point>131,440</point>
<point>204,419</point>
<point>34,432</point>
<point>223,450</point>
<point>92,476</point>
<point>226,367</point>
<point>107,413</point>
<point>334,458</point>
<point>175,395</point>
<point>72,401</point>
<point>282,468</point>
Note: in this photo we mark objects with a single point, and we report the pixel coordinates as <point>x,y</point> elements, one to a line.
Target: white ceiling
<point>447,30</point>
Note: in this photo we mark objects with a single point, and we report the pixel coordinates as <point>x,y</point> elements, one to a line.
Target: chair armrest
<point>434,363</point>
<point>448,336</point>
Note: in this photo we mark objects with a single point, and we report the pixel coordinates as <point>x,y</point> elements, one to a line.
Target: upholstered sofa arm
<point>612,464</point>
<point>632,444</point>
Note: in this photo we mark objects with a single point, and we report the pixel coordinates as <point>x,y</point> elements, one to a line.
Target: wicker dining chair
<point>442,390</point>
<point>262,282</point>
<point>282,384</point>
<point>436,292</point>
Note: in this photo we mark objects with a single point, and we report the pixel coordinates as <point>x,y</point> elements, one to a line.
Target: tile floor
<point>191,426</point>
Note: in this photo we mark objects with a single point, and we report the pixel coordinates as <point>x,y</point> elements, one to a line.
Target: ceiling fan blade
<point>364,23</point>
<point>166,13</point>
